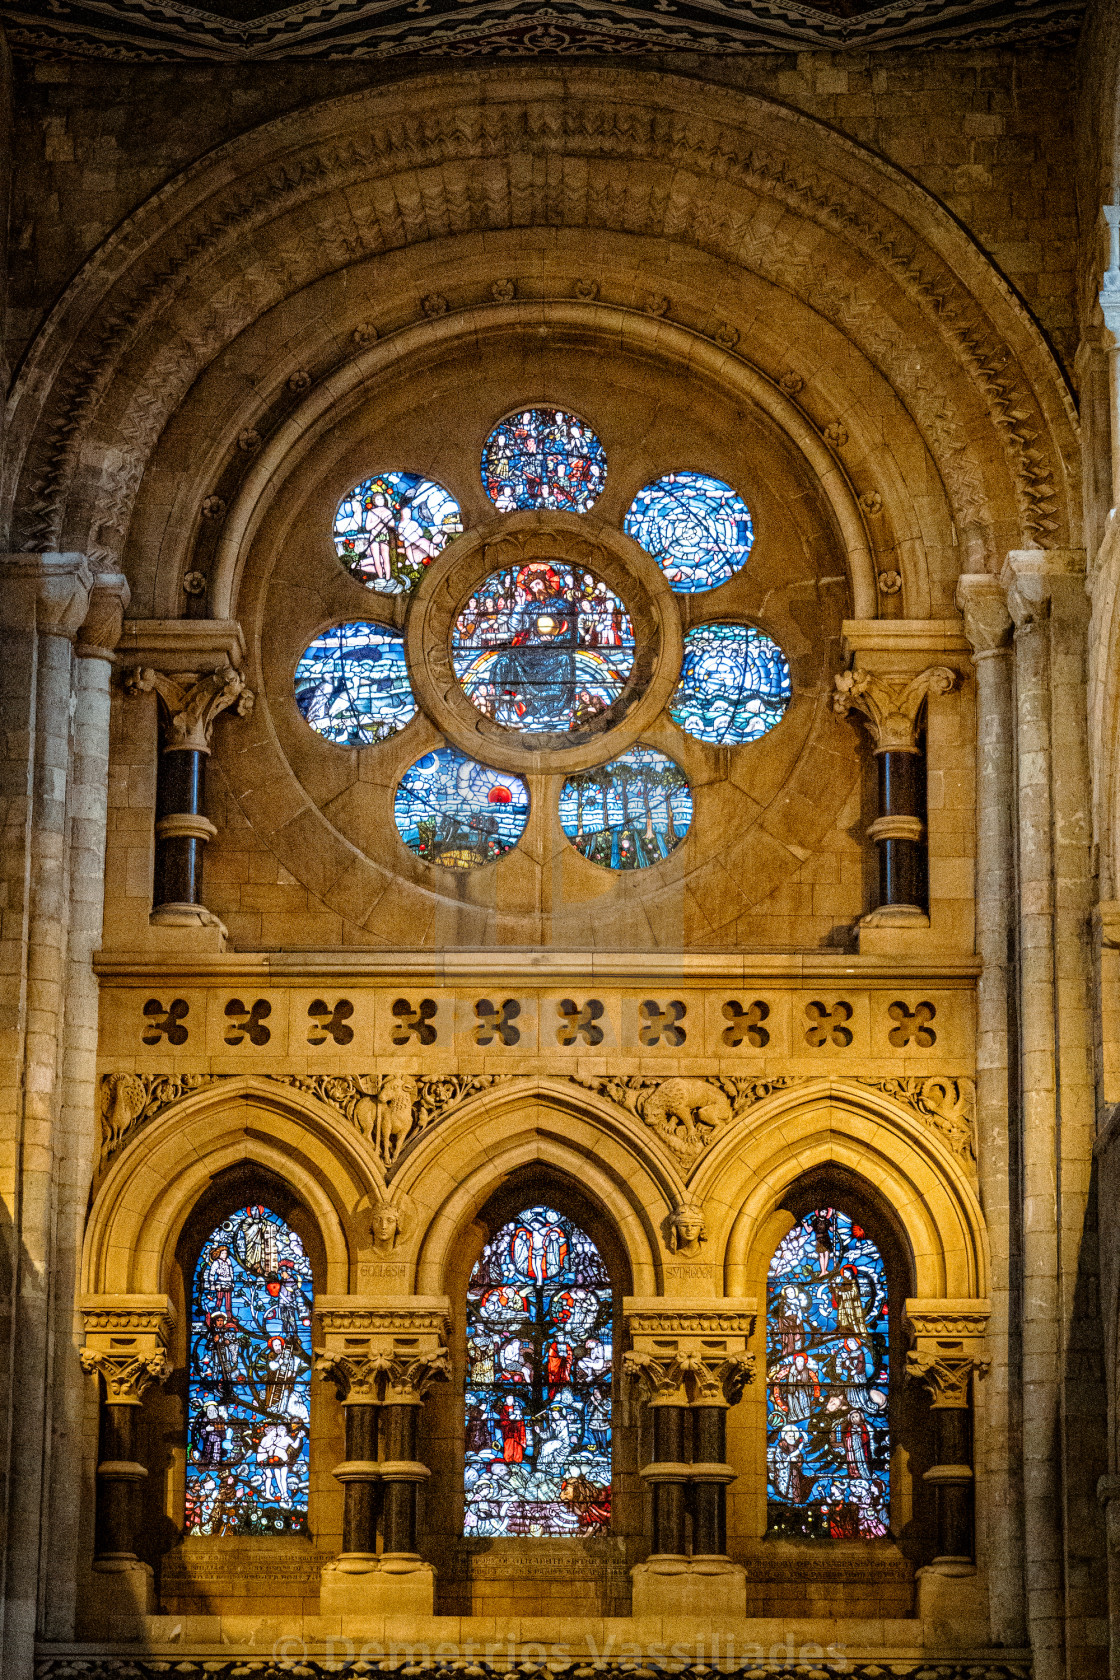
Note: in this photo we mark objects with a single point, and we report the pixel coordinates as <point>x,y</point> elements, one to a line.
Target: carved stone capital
<point>1028,578</point>
<point>190,702</point>
<point>385,1351</point>
<point>983,604</point>
<point>949,1346</point>
<point>890,709</point>
<point>689,1352</point>
<point>59,585</point>
<point>104,620</point>
<point>127,1339</point>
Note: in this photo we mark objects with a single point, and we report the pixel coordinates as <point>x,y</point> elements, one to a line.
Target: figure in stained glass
<point>697,528</point>
<point>543,458</point>
<point>543,647</point>
<point>249,1388</point>
<point>538,1399</point>
<point>389,528</point>
<point>352,685</point>
<point>451,810</point>
<point>734,684</point>
<point>827,1374</point>
<point>630,813</point>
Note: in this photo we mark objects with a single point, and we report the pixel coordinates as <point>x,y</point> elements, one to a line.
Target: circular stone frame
<point>517,539</point>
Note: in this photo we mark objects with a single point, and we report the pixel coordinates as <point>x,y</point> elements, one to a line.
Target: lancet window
<point>827,1373</point>
<point>249,1388</point>
<point>538,1398</point>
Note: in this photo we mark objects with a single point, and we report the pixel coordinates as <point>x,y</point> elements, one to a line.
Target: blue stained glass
<point>543,458</point>
<point>352,685</point>
<point>249,1387</point>
<point>630,813</point>
<point>451,810</point>
<point>827,1370</point>
<point>734,684</point>
<point>697,528</point>
<point>388,528</point>
<point>538,1397</point>
<point>543,648</point>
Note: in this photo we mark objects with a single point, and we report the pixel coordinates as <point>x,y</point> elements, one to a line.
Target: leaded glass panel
<point>543,458</point>
<point>538,1397</point>
<point>352,685</point>
<point>734,684</point>
<point>249,1384</point>
<point>697,528</point>
<point>450,809</point>
<point>388,528</point>
<point>630,813</point>
<point>543,648</point>
<point>827,1371</point>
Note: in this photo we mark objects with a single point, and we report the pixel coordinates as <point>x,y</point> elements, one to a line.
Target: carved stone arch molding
<point>744,1177</point>
<point>662,158</point>
<point>149,1192</point>
<point>580,1139</point>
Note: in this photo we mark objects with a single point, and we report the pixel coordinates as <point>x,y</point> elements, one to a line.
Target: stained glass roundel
<point>734,684</point>
<point>630,813</point>
<point>538,1393</point>
<point>543,458</point>
<point>827,1371</point>
<point>543,647</point>
<point>249,1385</point>
<point>388,528</point>
<point>697,528</point>
<point>352,685</point>
<point>451,810</point>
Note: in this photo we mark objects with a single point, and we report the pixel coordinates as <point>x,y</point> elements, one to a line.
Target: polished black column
<point>401,1476</point>
<point>899,829</point>
<point>708,1481</point>
<point>360,1476</point>
<point>952,1481</point>
<point>181,828</point>
<point>118,1478</point>
<point>667,1476</point>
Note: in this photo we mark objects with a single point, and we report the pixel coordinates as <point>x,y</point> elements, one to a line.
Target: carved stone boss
<point>126,1340</point>
<point>382,1355</point>
<point>890,711</point>
<point>948,1350</point>
<point>689,1363</point>
<point>189,703</point>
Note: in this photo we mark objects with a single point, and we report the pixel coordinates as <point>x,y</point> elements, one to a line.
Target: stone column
<point>891,711</point>
<point>190,701</point>
<point>689,1364</point>
<point>126,1340</point>
<point>93,665</point>
<point>1110,308</point>
<point>43,600</point>
<point>1000,1511</point>
<point>383,1356</point>
<point>949,1349</point>
<point>1062,1398</point>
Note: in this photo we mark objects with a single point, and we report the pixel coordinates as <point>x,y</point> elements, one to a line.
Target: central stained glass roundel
<point>451,810</point>
<point>543,648</point>
<point>543,458</point>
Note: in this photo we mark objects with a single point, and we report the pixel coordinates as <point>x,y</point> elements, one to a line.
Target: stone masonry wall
<point>990,133</point>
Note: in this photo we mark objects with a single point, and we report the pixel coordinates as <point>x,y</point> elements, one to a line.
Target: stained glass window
<point>352,684</point>
<point>734,684</point>
<point>452,810</point>
<point>538,1398</point>
<point>249,1393</point>
<point>697,528</point>
<point>630,813</point>
<point>390,527</point>
<point>543,458</point>
<point>543,647</point>
<point>827,1437</point>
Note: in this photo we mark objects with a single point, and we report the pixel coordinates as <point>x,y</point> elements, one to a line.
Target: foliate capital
<point>383,1378</point>
<point>983,604</point>
<point>686,1378</point>
<point>890,709</point>
<point>190,701</point>
<point>949,1347</point>
<point>126,1375</point>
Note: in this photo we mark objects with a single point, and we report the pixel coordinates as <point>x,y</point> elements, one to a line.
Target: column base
<point>360,1584</point>
<point>119,1594</point>
<point>953,1603</point>
<point>698,1586</point>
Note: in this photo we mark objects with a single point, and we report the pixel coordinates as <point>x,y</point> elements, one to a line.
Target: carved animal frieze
<point>946,1105</point>
<point>685,1113</point>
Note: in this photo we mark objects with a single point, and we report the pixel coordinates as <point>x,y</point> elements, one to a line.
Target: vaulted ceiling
<point>259,30</point>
